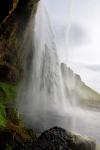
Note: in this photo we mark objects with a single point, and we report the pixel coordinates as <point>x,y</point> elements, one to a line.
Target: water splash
<point>44,92</point>
<point>43,99</point>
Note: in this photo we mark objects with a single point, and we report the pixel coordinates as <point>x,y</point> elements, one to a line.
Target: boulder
<point>59,139</point>
<point>18,138</point>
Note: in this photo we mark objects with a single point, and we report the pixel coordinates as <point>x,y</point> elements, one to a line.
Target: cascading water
<point>43,99</point>
<point>45,63</point>
<point>44,93</point>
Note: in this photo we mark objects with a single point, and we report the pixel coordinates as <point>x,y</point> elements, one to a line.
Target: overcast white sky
<point>77,30</point>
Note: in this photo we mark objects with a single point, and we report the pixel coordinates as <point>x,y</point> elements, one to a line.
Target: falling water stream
<point>43,99</point>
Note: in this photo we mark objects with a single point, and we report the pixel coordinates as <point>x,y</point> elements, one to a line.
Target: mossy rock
<point>16,137</point>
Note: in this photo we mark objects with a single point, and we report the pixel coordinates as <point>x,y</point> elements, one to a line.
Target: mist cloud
<point>94,67</point>
<point>77,35</point>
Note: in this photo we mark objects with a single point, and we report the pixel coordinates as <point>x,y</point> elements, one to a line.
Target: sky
<point>76,24</point>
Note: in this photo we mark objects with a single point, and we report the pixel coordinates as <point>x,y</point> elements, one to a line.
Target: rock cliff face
<point>14,33</point>
<point>6,8</point>
<point>77,91</point>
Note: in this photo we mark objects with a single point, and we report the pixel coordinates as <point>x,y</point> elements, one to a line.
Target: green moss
<point>7,95</point>
<point>32,134</point>
<point>2,116</point>
<point>7,92</point>
<point>8,147</point>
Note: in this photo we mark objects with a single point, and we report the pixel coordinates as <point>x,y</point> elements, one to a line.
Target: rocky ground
<point>55,138</point>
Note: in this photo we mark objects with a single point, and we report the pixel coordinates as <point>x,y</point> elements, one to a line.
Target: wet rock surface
<point>53,139</point>
<point>15,137</point>
<point>59,139</point>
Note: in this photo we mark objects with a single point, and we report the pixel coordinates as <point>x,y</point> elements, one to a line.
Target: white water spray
<point>43,99</point>
<point>44,92</point>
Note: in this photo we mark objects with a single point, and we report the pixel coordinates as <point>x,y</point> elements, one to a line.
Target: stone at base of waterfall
<point>59,139</point>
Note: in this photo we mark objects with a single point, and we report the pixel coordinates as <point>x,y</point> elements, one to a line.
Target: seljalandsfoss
<point>49,75</point>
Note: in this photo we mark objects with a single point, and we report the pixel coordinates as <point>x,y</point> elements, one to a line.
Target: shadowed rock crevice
<point>5,7</point>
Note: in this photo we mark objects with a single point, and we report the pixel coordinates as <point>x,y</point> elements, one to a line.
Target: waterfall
<point>42,89</point>
<point>46,67</point>
<point>47,95</point>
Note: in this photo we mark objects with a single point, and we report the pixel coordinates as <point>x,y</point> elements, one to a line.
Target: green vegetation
<point>7,95</point>
<point>7,92</point>
<point>2,116</point>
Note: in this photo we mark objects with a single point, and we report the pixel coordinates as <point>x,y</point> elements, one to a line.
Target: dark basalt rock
<point>56,138</point>
<point>60,139</point>
<point>5,7</point>
<point>15,37</point>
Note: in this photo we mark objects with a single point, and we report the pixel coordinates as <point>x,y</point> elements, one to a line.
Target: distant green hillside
<point>77,91</point>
